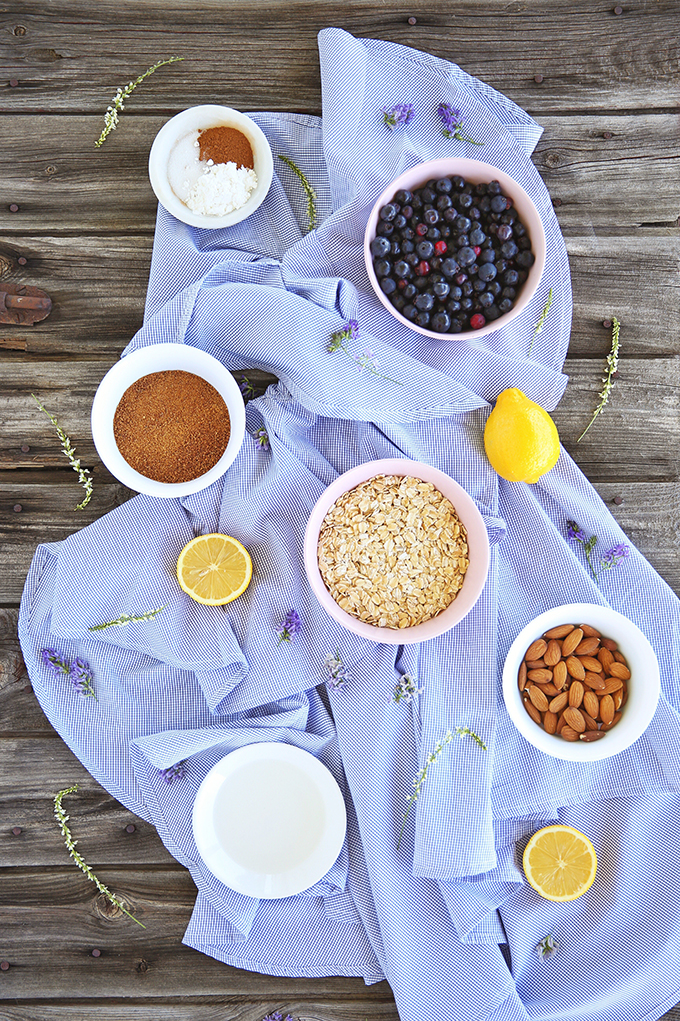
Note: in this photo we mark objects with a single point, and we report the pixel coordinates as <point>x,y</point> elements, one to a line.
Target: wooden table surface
<point>78,222</point>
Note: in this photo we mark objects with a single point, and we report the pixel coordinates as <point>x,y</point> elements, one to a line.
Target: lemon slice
<point>560,863</point>
<point>214,569</point>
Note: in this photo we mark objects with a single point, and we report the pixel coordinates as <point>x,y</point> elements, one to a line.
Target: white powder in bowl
<point>221,188</point>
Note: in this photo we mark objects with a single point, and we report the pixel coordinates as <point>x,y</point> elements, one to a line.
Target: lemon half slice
<point>560,863</point>
<point>214,569</point>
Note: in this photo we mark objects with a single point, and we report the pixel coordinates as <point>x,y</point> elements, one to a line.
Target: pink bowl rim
<point>475,171</point>
<point>478,542</point>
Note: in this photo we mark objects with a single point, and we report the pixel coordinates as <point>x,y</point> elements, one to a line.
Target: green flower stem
<point>542,319</point>
<point>612,365</point>
<point>111,117</point>
<point>84,476</point>
<point>308,190</point>
<point>127,619</point>
<point>62,819</point>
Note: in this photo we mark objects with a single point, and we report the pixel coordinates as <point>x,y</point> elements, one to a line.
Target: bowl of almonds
<point>396,551</point>
<point>581,682</point>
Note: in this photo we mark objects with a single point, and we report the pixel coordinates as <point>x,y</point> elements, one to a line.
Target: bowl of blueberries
<point>454,248</point>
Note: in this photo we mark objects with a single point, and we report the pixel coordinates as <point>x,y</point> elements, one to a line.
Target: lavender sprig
<point>262,439</point>
<point>126,618</point>
<point>547,946</point>
<point>337,674</point>
<point>84,475</point>
<point>367,360</point>
<point>614,556</point>
<point>397,116</point>
<point>406,689</point>
<point>81,678</point>
<point>542,319</point>
<point>62,819</point>
<point>54,662</point>
<point>278,1016</point>
<point>111,117</point>
<point>422,777</point>
<point>612,364</point>
<point>576,534</point>
<point>246,388</point>
<point>452,121</point>
<point>289,627</point>
<point>308,190</point>
<point>174,772</point>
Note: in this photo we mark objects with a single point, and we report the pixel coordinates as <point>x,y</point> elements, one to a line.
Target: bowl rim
<point>469,515</point>
<point>470,169</point>
<point>643,697</point>
<point>143,362</point>
<point>185,121</point>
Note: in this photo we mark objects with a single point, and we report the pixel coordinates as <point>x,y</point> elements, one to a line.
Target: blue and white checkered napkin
<point>428,915</point>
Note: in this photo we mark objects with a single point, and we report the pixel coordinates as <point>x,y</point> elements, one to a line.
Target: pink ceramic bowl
<point>478,544</point>
<point>475,172</point>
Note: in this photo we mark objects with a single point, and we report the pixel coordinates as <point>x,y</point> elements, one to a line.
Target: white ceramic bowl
<point>475,172</point>
<point>202,118</point>
<point>644,686</point>
<point>161,358</point>
<point>478,545</point>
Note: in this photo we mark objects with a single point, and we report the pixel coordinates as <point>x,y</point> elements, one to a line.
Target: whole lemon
<point>520,438</point>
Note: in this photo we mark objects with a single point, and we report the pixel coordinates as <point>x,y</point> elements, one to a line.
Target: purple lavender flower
<point>367,360</point>
<point>397,116</point>
<point>81,678</point>
<point>452,121</point>
<point>614,556</point>
<point>574,533</point>
<point>406,689</point>
<point>172,773</point>
<point>262,439</point>
<point>246,387</point>
<point>547,947</point>
<point>289,627</point>
<point>337,674</point>
<point>54,662</point>
<point>278,1016</point>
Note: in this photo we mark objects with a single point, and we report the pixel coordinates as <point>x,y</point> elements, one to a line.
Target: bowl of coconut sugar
<point>210,166</point>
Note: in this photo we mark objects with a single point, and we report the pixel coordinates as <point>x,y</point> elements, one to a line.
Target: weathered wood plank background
<point>601,79</point>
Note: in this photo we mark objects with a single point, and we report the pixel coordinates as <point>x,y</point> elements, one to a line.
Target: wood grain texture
<point>218,1009</point>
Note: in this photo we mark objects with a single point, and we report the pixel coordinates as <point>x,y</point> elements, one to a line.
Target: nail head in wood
<point>413,21</point>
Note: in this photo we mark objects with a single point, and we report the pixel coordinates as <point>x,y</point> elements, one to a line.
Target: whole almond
<point>591,704</point>
<point>573,639</point>
<point>550,722</point>
<point>591,735</point>
<point>595,681</point>
<point>538,698</point>
<point>607,710</point>
<point>569,734</point>
<point>612,684</point>
<point>575,667</point>
<point>619,670</point>
<point>589,631</point>
<point>553,654</point>
<point>592,664</point>
<point>606,658</point>
<point>574,719</point>
<point>618,698</point>
<point>576,691</point>
<point>533,712</point>
<point>540,676</point>
<point>535,664</point>
<point>591,724</point>
<point>619,657</point>
<point>609,643</point>
<point>559,702</point>
<point>549,689</point>
<point>559,632</point>
<point>588,647</point>
<point>608,726</point>
<point>536,649</point>
<point>560,674</point>
<point>522,676</point>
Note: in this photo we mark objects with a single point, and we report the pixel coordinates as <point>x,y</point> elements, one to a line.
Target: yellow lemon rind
<point>199,539</point>
<point>558,828</point>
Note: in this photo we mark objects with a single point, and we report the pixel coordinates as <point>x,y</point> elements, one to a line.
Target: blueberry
<point>481,188</point>
<point>422,283</point>
<point>380,246</point>
<point>485,299</point>
<point>453,306</point>
<point>461,278</point>
<point>412,259</point>
<point>522,276</point>
<point>457,182</point>
<point>382,267</point>
<point>502,265</point>
<point>509,216</point>
<point>456,326</point>
<point>466,304</point>
<point>463,224</point>
<point>416,201</point>
<point>466,288</point>
<point>485,204</point>
<point>494,288</point>
<point>505,305</point>
<point>509,292</point>
<point>399,221</point>
<point>431,216</point>
<point>504,232</point>
<point>443,203</point>
<point>389,211</point>
<point>407,211</point>
<point>402,269</point>
<point>477,236</point>
<point>509,249</point>
<point>423,318</point>
<point>444,185</point>
<point>498,204</point>
<point>450,215</point>
<point>462,241</point>
<point>388,285</point>
<point>407,247</point>
<point>425,249</point>
<point>487,256</point>
<point>435,264</point>
<point>520,230</point>
<point>493,188</point>
<point>410,312</point>
<point>474,213</point>
<point>466,256</point>
<point>395,247</point>
<point>478,285</point>
<point>397,300</point>
<point>456,293</point>
<point>384,228</point>
<point>524,242</point>
<point>424,302</point>
<point>449,267</point>
<point>525,259</point>
<point>492,312</point>
<point>403,196</point>
<point>510,277</point>
<point>409,291</point>
<point>440,322</point>
<point>434,233</point>
<point>464,201</point>
<point>487,271</point>
<point>441,289</point>
<point>428,195</point>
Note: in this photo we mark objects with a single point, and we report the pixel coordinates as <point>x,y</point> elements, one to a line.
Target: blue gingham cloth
<point>196,682</point>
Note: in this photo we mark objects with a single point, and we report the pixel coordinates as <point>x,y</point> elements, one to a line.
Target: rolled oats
<point>393,552</point>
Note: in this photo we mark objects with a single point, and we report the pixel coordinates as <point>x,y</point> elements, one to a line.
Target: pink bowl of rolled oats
<point>396,551</point>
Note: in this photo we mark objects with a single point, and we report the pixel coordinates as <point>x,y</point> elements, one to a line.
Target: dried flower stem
<point>542,319</point>
<point>309,191</point>
<point>84,476</point>
<point>111,117</point>
<point>62,819</point>
<point>127,619</point>
<point>466,732</point>
<point>612,365</point>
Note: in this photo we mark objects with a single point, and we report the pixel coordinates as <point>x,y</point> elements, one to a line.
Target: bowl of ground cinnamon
<point>211,166</point>
<point>168,420</point>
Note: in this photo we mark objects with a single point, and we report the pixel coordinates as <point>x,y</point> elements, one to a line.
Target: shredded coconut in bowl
<point>221,189</point>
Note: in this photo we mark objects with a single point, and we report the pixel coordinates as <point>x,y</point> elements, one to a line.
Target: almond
<point>589,631</point>
<point>607,710</point>
<point>538,698</point>
<point>536,649</point>
<point>591,735</point>
<point>617,697</point>
<point>559,702</point>
<point>553,654</point>
<point>589,663</point>
<point>559,632</point>
<point>609,643</point>
<point>575,668</point>
<point>550,722</point>
<point>591,704</point>
<point>560,674</point>
<point>619,670</point>
<point>612,684</point>
<point>619,657</point>
<point>522,676</point>
<point>573,639</point>
<point>569,734</point>
<point>533,712</point>
<point>561,723</point>
<point>608,726</point>
<point>588,647</point>
<point>540,676</point>
<point>595,681</point>
<point>535,664</point>
<point>591,724</point>
<point>606,658</point>
<point>576,691</point>
<point>549,689</point>
<point>575,719</point>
